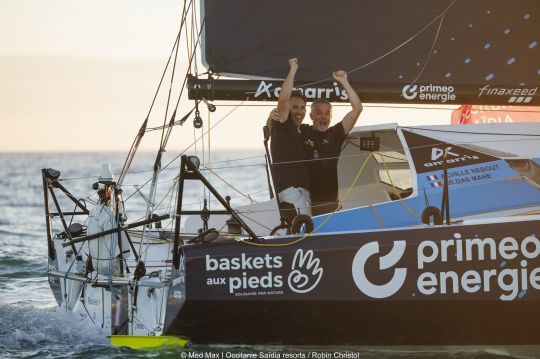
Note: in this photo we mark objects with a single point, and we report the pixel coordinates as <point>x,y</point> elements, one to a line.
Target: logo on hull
<point>359,273</point>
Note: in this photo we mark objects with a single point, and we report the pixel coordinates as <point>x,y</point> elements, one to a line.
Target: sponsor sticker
<point>496,262</point>
<point>429,93</point>
<point>488,268</point>
<point>428,154</point>
<point>263,274</point>
<point>266,91</point>
<point>513,94</point>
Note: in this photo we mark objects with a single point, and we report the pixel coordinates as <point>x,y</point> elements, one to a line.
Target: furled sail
<point>417,51</point>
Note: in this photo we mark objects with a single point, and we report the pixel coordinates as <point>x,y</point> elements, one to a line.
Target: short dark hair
<point>299,94</point>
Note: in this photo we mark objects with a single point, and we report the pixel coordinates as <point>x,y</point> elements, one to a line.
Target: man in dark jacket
<point>289,169</point>
<point>323,144</point>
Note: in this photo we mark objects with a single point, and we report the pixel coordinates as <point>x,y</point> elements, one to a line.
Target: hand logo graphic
<point>306,272</point>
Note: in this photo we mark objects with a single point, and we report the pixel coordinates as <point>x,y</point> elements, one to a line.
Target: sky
<point>81,75</point>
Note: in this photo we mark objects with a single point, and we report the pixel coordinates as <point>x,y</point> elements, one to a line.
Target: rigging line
<point>194,22</point>
<point>241,103</point>
<point>131,153</point>
<point>75,178</point>
<point>197,154</point>
<point>321,159</point>
<point>169,208</point>
<point>204,160</point>
<point>164,136</point>
<point>429,53</point>
<point>167,65</point>
<point>212,200</point>
<point>232,197</point>
<point>191,145</point>
<point>136,186</point>
<point>251,219</point>
<point>142,130</point>
<point>191,31</point>
<point>191,57</point>
<point>209,139</point>
<point>396,192</point>
<point>171,123</point>
<point>188,45</point>
<point>213,126</point>
<point>415,129</point>
<point>188,71</point>
<point>418,107</point>
<point>239,166</point>
<point>392,50</point>
<point>157,206</point>
<point>328,216</point>
<point>249,211</point>
<point>235,160</point>
<point>177,167</point>
<point>398,160</point>
<point>230,185</point>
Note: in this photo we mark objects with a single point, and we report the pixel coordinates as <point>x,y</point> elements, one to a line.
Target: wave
<point>56,333</point>
<point>17,268</point>
<point>28,330</point>
<point>24,232</point>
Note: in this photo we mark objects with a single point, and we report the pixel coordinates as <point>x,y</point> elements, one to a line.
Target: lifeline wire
<point>330,215</point>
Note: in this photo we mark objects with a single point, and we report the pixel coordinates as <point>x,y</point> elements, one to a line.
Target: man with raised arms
<point>323,144</point>
<point>289,169</point>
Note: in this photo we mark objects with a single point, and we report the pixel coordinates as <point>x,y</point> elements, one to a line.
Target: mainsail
<point>418,51</point>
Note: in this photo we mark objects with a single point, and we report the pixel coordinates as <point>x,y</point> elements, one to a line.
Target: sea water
<point>32,325</point>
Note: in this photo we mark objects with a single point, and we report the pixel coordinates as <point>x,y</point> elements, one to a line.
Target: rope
<point>344,200</point>
<point>411,107</point>
<point>330,215</point>
<point>415,129</point>
<point>392,50</point>
<point>396,192</point>
<point>430,52</point>
<point>187,148</point>
<point>229,185</point>
<point>157,206</point>
<point>169,60</point>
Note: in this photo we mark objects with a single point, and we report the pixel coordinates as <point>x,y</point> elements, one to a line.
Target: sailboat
<point>436,239</point>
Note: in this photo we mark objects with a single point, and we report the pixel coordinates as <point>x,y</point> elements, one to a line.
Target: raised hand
<point>286,90</point>
<point>293,63</point>
<point>340,76</point>
<point>350,118</point>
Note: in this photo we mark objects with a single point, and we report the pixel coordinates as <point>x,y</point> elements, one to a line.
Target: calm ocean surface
<point>31,324</point>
